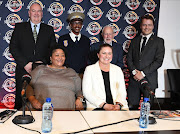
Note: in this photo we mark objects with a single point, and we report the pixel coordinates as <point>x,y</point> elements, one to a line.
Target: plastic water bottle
<point>144,113</point>
<point>47,113</point>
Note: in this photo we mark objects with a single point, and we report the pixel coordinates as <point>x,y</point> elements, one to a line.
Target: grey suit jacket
<point>149,60</point>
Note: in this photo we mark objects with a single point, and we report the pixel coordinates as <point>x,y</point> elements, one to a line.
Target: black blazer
<point>149,60</point>
<point>23,47</point>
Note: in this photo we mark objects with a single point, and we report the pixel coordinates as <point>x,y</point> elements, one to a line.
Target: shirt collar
<point>148,36</point>
<point>72,35</point>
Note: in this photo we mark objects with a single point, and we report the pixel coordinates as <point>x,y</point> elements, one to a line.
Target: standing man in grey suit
<point>108,36</point>
<point>145,56</point>
<point>30,45</point>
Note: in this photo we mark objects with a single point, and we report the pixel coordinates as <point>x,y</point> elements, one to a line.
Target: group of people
<point>72,70</point>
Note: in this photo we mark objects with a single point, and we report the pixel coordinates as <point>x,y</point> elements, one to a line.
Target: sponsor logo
<point>131,17</point>
<point>96,2</point>
<point>12,19</point>
<point>149,5</point>
<point>14,5</point>
<point>115,28</point>
<point>132,4</point>
<point>9,100</point>
<point>9,85</point>
<point>8,36</point>
<point>7,54</point>
<point>113,15</point>
<point>126,45</point>
<point>57,37</point>
<point>9,69</point>
<point>94,28</point>
<point>56,24</point>
<point>115,3</point>
<point>95,13</point>
<point>130,32</point>
<point>77,1</point>
<point>56,9</point>
<point>37,1</point>
<point>93,40</point>
<point>75,8</point>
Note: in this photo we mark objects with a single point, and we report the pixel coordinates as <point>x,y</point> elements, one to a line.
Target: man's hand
<point>28,67</point>
<point>138,75</point>
<point>35,103</point>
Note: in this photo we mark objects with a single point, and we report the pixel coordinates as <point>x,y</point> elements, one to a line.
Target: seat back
<point>174,82</point>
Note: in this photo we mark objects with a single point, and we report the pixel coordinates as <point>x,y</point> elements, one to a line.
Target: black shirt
<point>109,99</point>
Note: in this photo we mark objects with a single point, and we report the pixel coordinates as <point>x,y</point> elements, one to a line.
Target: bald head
<point>108,34</point>
<point>35,13</point>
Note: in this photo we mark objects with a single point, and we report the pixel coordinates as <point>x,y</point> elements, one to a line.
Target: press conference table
<point>79,121</point>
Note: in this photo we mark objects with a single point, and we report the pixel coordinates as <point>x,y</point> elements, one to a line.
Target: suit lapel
<point>40,34</point>
<point>28,30</point>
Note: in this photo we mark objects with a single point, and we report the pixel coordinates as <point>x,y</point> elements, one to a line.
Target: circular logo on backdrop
<point>9,69</point>
<point>9,85</point>
<point>126,45</point>
<point>8,36</point>
<point>115,3</point>
<point>14,5</point>
<point>93,28</point>
<point>131,17</point>
<point>75,8</point>
<point>37,1</point>
<point>96,2</point>
<point>7,54</point>
<point>77,1</point>
<point>149,5</point>
<point>93,40</point>
<point>56,24</point>
<point>132,4</point>
<point>115,29</point>
<point>130,32</point>
<point>95,13</point>
<point>12,19</point>
<point>9,100</point>
<point>113,15</point>
<point>56,9</point>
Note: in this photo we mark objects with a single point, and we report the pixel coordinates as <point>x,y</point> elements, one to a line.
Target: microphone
<point>25,79</point>
<point>145,85</point>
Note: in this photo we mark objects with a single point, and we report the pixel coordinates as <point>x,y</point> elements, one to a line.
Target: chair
<point>174,82</point>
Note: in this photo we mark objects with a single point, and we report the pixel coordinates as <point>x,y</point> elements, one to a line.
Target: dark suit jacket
<point>117,53</point>
<point>149,60</point>
<point>23,47</point>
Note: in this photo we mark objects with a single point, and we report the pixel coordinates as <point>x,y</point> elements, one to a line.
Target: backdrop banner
<point>122,15</point>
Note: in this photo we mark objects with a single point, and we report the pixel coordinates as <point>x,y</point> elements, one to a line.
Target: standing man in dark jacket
<point>108,36</point>
<point>30,44</point>
<point>145,56</point>
<point>76,45</point>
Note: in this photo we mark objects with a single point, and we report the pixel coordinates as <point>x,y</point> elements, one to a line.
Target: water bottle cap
<point>146,99</point>
<point>48,99</point>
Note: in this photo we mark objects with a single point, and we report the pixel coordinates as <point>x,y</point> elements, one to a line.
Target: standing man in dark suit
<point>145,56</point>
<point>30,45</point>
<point>108,36</point>
<point>76,45</point>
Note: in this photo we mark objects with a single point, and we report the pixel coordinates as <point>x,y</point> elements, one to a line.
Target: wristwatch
<point>134,72</point>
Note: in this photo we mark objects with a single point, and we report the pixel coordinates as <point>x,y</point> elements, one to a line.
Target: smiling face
<point>108,34</point>
<point>35,13</point>
<point>76,26</point>
<point>105,55</point>
<point>58,58</point>
<point>147,26</point>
